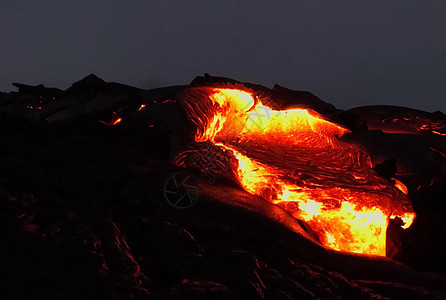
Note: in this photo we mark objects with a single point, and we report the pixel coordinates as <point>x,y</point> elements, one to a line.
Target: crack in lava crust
<point>295,159</point>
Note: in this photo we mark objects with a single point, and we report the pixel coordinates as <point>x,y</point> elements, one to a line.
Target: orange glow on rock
<point>295,159</point>
<point>439,133</point>
<point>114,120</point>
<point>117,121</point>
<point>401,186</point>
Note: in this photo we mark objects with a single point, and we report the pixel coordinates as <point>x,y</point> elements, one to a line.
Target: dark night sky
<point>349,53</point>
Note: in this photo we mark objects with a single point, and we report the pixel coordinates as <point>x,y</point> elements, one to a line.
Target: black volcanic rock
<point>387,169</point>
<point>88,83</point>
<point>38,90</point>
<point>208,80</point>
<point>396,119</point>
<point>302,99</point>
<point>94,84</point>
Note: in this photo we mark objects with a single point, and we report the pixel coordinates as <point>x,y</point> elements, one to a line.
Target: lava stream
<point>295,159</point>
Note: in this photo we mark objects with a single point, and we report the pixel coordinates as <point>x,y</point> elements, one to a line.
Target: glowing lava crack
<point>295,159</point>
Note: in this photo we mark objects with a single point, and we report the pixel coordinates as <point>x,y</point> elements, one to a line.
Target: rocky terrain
<point>83,180</point>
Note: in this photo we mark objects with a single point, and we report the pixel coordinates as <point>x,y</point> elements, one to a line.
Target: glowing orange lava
<point>117,121</point>
<point>401,186</point>
<point>114,120</point>
<point>439,133</point>
<point>295,159</point>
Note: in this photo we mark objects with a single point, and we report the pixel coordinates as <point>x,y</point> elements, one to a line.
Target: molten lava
<point>115,119</point>
<point>295,159</point>
<point>401,186</point>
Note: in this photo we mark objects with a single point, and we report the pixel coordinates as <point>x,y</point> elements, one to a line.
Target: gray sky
<point>347,52</point>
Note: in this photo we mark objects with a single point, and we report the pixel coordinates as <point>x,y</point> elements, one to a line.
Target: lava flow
<point>296,159</point>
